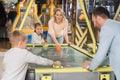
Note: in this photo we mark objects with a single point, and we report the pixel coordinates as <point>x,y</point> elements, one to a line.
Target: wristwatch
<point>89,69</point>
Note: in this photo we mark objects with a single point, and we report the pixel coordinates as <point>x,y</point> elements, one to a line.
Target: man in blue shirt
<point>109,46</point>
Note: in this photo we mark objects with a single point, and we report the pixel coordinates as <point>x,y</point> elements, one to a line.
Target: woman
<point>58,26</point>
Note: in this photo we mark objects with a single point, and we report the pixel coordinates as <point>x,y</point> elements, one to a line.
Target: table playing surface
<point>69,56</point>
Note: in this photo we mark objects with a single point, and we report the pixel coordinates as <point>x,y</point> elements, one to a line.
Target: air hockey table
<point>72,59</point>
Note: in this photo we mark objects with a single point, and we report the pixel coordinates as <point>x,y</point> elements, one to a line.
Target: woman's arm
<point>51,31</point>
<point>66,32</point>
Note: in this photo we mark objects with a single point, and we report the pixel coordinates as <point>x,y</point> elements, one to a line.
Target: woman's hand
<point>58,47</point>
<point>69,43</point>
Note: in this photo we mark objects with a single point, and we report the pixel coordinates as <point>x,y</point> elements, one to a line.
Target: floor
<point>4,46</point>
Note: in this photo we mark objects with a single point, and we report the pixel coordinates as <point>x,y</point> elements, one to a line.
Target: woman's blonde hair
<point>62,13</point>
<point>17,36</point>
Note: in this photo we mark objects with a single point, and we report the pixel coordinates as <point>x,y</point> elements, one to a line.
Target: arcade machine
<point>26,16</point>
<point>84,35</point>
<point>69,9</point>
<point>72,59</point>
<point>71,56</point>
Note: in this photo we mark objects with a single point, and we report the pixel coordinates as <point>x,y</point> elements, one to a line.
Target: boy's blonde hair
<point>17,36</point>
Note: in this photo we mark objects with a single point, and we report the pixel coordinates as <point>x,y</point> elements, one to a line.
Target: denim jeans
<point>59,39</point>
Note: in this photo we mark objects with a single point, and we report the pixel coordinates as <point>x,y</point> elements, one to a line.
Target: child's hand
<point>44,43</point>
<point>57,63</point>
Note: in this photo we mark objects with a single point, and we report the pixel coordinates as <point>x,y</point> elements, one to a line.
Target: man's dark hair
<point>101,11</point>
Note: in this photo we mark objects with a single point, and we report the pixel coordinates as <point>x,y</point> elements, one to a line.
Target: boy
<point>17,58</point>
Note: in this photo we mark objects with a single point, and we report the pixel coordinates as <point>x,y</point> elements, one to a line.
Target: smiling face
<point>58,16</point>
<point>39,29</point>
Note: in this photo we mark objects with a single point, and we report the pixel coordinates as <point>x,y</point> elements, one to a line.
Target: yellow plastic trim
<point>117,13</point>
<point>88,24</point>
<point>24,18</point>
